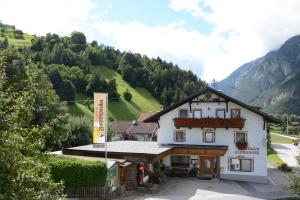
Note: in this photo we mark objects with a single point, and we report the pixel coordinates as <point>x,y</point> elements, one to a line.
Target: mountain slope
<point>271,81</point>
<point>142,100</point>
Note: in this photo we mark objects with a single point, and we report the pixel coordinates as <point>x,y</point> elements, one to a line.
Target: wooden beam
<point>212,101</point>
<point>264,126</point>
<point>190,106</point>
<point>227,106</point>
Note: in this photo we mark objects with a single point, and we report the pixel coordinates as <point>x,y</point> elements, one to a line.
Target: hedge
<point>77,173</point>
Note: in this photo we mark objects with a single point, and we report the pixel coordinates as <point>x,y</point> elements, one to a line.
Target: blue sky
<point>150,12</point>
<point>209,37</point>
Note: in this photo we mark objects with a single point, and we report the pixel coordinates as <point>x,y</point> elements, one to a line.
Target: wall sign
<point>249,150</point>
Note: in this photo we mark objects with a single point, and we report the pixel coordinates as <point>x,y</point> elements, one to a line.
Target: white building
<point>215,133</point>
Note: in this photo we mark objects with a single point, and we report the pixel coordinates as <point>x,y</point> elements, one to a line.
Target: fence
<point>89,192</point>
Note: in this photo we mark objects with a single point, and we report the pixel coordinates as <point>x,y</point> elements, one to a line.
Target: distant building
<point>134,130</point>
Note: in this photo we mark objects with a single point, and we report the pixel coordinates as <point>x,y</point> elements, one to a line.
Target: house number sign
<point>249,150</point>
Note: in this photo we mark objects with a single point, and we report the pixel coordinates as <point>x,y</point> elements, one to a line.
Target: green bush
<point>77,173</point>
<point>127,95</point>
<point>285,168</point>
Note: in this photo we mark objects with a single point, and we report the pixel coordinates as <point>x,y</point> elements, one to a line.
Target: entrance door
<point>207,165</point>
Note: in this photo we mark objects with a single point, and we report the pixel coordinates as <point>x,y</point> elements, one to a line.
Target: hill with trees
<point>76,69</point>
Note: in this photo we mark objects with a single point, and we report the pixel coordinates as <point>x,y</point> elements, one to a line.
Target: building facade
<point>216,135</point>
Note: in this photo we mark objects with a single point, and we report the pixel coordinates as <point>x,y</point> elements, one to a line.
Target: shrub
<point>127,95</point>
<point>79,131</point>
<point>77,173</point>
<point>284,167</point>
<point>193,172</point>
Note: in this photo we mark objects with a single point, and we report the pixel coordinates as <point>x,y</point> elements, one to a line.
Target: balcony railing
<point>209,122</point>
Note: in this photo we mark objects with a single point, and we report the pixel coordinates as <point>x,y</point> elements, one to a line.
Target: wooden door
<point>207,165</point>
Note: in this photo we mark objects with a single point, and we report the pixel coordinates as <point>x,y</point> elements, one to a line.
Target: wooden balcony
<point>209,122</point>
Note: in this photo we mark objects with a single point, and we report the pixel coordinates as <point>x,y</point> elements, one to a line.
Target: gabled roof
<point>121,127</point>
<point>155,117</point>
<point>145,115</point>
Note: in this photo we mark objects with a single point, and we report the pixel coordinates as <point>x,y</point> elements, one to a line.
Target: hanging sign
<point>100,122</point>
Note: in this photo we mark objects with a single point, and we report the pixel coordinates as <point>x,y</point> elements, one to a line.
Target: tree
<point>22,174</point>
<point>4,43</point>
<point>18,34</point>
<point>127,95</point>
<point>78,41</point>
<point>80,131</point>
<point>96,84</point>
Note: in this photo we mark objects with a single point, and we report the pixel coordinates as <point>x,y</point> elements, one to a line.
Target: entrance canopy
<point>148,151</point>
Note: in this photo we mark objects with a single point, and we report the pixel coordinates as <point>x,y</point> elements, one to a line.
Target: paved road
<point>287,153</point>
<point>287,136</point>
<point>192,188</point>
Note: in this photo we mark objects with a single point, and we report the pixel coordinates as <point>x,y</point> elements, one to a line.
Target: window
<point>220,113</point>
<point>209,137</point>
<point>240,137</point>
<point>241,164</point>
<point>197,113</point>
<point>180,161</point>
<point>235,113</point>
<point>179,135</point>
<point>183,113</point>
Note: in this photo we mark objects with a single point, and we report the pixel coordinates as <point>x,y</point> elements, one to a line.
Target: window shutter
<point>246,136</point>
<point>174,135</point>
<point>184,133</point>
<point>234,136</point>
<point>203,136</point>
<point>214,137</point>
<point>228,164</point>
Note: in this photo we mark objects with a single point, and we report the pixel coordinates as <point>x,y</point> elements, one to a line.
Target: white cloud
<point>43,16</point>
<point>254,27</point>
<point>171,42</point>
<point>243,30</point>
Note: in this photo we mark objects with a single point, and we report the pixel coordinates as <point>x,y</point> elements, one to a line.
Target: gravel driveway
<point>192,188</point>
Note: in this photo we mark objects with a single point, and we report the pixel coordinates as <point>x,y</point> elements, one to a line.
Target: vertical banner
<point>100,121</point>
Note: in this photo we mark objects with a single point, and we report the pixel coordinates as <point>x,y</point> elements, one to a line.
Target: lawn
<point>142,100</point>
<point>274,159</point>
<point>16,42</point>
<point>280,139</point>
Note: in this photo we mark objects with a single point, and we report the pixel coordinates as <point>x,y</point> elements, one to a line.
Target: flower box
<point>241,146</point>
<point>209,122</point>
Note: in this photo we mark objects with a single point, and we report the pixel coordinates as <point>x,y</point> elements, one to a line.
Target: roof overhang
<point>267,117</point>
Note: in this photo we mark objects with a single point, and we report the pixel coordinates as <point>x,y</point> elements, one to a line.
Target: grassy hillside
<point>8,32</point>
<point>142,100</point>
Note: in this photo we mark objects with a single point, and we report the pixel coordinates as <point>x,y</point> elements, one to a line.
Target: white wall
<point>253,126</point>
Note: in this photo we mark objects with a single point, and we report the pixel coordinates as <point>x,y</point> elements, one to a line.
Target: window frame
<point>221,109</point>
<point>175,138</point>
<point>246,137</point>
<point>183,109</point>
<point>213,136</point>
<point>233,110</point>
<point>197,110</point>
<point>240,164</point>
<point>180,159</point>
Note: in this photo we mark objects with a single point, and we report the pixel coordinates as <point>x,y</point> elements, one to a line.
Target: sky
<point>212,38</point>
